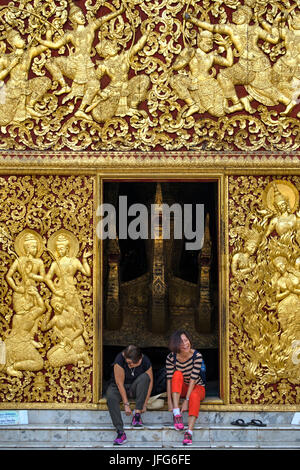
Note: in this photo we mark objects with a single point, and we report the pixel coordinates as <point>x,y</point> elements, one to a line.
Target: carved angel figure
<point>253,66</point>
<point>287,284</point>
<point>21,347</point>
<point>28,266</point>
<point>122,96</point>
<point>199,89</point>
<point>20,94</point>
<point>23,277</point>
<point>67,327</point>
<point>61,276</point>
<point>78,65</point>
<point>284,220</point>
<point>244,261</point>
<point>286,71</point>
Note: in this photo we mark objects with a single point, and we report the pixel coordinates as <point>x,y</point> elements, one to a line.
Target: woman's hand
<point>185,406</point>
<point>144,408</point>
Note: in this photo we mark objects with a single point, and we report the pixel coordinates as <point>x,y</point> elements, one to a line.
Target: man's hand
<point>127,410</point>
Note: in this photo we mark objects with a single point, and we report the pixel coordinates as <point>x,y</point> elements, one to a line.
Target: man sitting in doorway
<point>132,377</point>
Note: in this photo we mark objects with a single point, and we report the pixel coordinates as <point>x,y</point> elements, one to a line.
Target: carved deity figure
<point>61,276</point>
<point>284,220</point>
<point>78,65</point>
<point>23,276</point>
<point>296,352</point>
<point>122,96</point>
<point>286,71</point>
<point>253,64</point>
<point>199,89</point>
<point>244,261</point>
<point>20,94</point>
<point>287,284</point>
<point>21,347</point>
<point>67,327</point>
<point>28,266</point>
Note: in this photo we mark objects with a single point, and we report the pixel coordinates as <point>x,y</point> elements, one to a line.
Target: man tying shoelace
<point>132,377</point>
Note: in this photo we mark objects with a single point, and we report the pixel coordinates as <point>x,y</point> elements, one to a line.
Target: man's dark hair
<point>176,341</point>
<point>133,353</point>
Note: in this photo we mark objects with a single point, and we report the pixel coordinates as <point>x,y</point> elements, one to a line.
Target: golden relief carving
<point>219,75</point>
<point>264,289</point>
<point>46,323</point>
<point>21,348</point>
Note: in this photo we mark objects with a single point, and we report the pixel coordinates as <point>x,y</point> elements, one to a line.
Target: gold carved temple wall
<point>94,91</point>
<point>264,324</point>
<point>139,75</point>
<point>47,302</point>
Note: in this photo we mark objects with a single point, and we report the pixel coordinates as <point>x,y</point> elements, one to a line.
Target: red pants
<point>197,395</point>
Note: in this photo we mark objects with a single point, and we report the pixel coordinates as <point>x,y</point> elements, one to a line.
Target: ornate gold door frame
<point>158,174</point>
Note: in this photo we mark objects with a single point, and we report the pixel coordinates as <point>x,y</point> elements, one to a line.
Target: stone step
<point>155,436</point>
<point>107,445</point>
<point>92,429</point>
<point>155,417</point>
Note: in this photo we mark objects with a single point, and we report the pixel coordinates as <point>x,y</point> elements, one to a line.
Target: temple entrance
<point>155,285</point>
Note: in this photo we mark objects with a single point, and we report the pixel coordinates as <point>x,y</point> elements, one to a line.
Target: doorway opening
<point>154,286</point>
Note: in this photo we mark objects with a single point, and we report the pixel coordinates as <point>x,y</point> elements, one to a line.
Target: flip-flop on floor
<point>256,422</point>
<point>239,422</point>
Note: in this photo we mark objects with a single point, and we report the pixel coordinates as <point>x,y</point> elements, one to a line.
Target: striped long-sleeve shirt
<point>189,368</point>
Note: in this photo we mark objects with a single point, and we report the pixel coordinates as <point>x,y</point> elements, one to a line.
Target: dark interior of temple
<point>152,288</point>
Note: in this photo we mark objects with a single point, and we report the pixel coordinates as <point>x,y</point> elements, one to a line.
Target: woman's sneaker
<point>187,440</point>
<point>120,439</point>
<point>178,423</point>
<point>137,421</point>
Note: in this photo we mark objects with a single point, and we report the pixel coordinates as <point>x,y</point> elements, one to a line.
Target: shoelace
<point>137,420</point>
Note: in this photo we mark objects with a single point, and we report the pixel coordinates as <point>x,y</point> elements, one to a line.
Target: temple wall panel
<point>51,278</point>
<point>93,92</point>
<point>263,295</point>
<point>47,288</point>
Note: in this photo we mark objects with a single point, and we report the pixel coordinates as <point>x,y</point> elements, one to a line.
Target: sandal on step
<point>239,422</point>
<point>256,422</point>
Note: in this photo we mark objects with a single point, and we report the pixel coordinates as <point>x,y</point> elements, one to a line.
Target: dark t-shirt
<point>131,373</point>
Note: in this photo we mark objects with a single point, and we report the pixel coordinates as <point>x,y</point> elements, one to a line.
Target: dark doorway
<point>152,288</point>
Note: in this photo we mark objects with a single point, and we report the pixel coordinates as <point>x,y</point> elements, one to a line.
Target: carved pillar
<point>112,304</point>
<point>203,316</point>
<point>158,307</point>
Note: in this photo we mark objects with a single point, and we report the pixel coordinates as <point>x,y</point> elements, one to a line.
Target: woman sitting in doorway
<point>132,377</point>
<point>183,367</point>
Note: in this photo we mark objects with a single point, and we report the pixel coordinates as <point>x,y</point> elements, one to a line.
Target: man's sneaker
<point>187,440</point>
<point>178,423</point>
<point>120,439</point>
<point>137,421</point>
